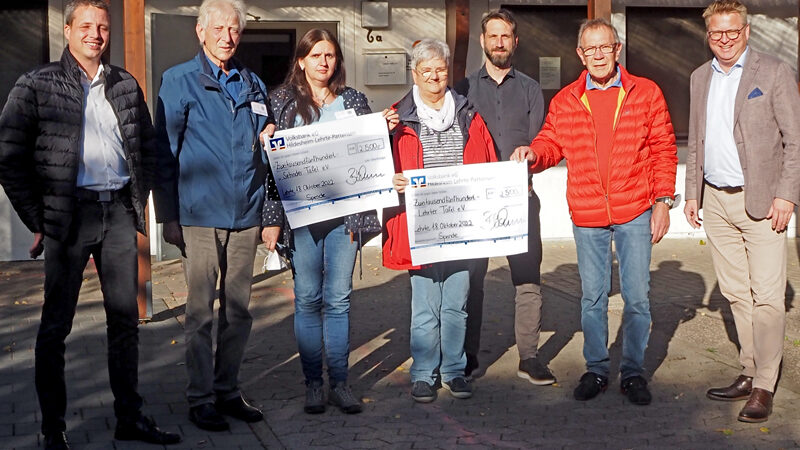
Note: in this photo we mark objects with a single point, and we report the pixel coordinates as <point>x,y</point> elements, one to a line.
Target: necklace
<point>321,100</point>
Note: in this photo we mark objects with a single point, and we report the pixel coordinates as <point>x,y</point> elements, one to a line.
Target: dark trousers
<point>525,269</point>
<point>108,232</point>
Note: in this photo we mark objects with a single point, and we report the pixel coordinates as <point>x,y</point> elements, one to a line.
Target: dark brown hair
<point>296,78</point>
<point>501,14</point>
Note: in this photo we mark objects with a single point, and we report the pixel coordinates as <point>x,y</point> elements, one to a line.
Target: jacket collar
<point>579,86</point>
<point>749,70</point>
<point>71,65</point>
<point>208,79</point>
<point>483,73</point>
<point>407,110</point>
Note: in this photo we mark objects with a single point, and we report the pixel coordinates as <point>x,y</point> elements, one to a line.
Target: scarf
<point>437,120</point>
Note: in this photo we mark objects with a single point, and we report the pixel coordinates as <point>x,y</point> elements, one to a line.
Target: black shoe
<point>144,429</point>
<point>472,365</point>
<point>238,408</point>
<point>56,441</point>
<point>590,385</point>
<point>459,387</point>
<point>635,388</point>
<point>423,392</point>
<point>206,417</point>
<point>342,396</point>
<point>533,370</point>
<point>315,398</point>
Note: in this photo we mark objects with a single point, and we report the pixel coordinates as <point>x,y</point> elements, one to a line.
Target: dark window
<point>268,53</point>
<point>25,42</point>
<point>548,31</point>
<point>666,45</point>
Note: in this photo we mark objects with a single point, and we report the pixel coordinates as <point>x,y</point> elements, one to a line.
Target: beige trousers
<point>750,262</point>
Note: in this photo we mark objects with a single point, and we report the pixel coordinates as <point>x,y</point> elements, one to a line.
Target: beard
<point>500,60</point>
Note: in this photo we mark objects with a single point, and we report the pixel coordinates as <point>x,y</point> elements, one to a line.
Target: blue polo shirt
<point>231,82</point>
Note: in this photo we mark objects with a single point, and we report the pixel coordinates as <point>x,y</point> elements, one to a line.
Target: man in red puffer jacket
<point>615,132</point>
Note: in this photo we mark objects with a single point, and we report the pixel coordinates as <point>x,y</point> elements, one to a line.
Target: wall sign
<point>385,68</point>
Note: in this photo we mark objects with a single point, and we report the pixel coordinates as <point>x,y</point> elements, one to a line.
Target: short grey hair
<point>597,23</point>
<point>429,49</point>
<point>213,5</point>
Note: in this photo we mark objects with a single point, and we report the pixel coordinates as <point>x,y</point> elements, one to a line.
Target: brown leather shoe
<point>739,390</point>
<point>758,407</point>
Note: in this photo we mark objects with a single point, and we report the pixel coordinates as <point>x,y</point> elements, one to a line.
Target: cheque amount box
<point>370,145</point>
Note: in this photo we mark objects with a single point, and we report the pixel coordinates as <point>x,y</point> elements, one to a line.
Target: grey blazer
<point>766,130</point>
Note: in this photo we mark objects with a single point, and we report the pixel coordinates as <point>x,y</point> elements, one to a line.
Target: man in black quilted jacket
<point>76,155</point>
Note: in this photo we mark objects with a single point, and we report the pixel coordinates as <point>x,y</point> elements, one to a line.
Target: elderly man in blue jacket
<point>211,111</point>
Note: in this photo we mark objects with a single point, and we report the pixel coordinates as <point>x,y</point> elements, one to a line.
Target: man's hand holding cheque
<point>524,153</point>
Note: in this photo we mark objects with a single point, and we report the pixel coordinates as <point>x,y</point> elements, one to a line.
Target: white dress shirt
<point>721,166</point>
<point>102,165</point>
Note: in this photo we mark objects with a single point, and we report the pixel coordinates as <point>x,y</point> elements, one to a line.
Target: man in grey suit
<point>743,167</point>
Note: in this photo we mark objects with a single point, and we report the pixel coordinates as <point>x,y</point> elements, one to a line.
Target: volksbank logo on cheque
<point>419,181</point>
<point>278,143</point>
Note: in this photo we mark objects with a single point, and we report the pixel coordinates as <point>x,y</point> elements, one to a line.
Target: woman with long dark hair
<point>322,254</point>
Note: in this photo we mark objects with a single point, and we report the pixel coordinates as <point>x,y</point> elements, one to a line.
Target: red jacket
<point>407,152</point>
<point>643,156</point>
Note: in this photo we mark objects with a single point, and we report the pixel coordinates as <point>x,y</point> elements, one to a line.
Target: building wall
<point>774,29</point>
<point>410,20</point>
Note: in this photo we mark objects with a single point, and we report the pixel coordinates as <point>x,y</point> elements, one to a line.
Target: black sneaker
<point>423,392</point>
<point>533,370</point>
<point>590,385</point>
<point>472,365</point>
<point>342,396</point>
<point>315,398</point>
<point>635,388</point>
<point>459,387</point>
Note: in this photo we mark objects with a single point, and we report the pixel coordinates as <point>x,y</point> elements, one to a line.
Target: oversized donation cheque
<point>470,211</point>
<point>332,169</point>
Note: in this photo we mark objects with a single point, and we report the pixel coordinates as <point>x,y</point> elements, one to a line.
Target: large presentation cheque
<point>470,211</point>
<point>333,169</point>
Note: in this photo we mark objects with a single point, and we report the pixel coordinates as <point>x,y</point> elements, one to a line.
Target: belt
<point>88,195</point>
<point>728,189</point>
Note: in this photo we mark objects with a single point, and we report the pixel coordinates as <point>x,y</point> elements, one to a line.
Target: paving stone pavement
<point>691,348</point>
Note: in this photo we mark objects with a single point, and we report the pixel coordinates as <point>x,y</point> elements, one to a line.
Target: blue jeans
<point>594,265</point>
<point>439,320</point>
<point>323,258</point>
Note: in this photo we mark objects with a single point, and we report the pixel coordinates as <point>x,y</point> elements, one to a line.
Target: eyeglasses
<point>427,72</point>
<point>730,34</point>
<point>605,49</point>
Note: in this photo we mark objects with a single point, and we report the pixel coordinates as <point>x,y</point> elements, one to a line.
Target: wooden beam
<point>136,64</point>
<point>458,11</point>
<point>599,9</point>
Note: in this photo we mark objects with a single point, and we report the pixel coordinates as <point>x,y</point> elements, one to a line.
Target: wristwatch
<point>669,201</point>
